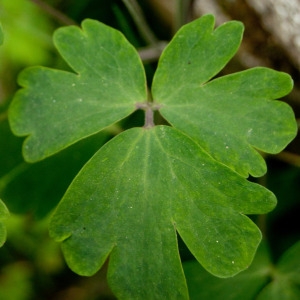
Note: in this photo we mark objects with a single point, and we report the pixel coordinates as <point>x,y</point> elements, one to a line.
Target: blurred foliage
<point>28,41</point>
<point>27,33</point>
<point>263,280</point>
<point>23,185</point>
<point>31,264</point>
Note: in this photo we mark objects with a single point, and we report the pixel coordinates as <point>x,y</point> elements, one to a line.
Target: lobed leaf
<point>57,108</point>
<point>145,186</point>
<point>130,207</point>
<point>233,116</point>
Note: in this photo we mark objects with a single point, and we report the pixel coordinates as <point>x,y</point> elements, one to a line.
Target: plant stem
<point>288,157</point>
<point>152,53</point>
<point>262,219</point>
<point>262,225</point>
<point>12,174</point>
<point>149,108</point>
<point>3,116</point>
<point>56,14</point>
<point>149,117</point>
<point>139,19</point>
<point>181,16</point>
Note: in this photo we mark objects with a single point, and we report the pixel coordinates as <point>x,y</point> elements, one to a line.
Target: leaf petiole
<point>149,108</point>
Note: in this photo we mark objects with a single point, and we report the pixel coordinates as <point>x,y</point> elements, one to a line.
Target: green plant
<point>3,217</point>
<point>149,184</point>
<point>3,209</point>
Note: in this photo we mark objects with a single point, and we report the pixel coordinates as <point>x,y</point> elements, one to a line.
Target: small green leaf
<point>65,107</point>
<point>286,279</point>
<point>289,264</point>
<point>232,116</point>
<point>130,207</point>
<point>280,290</point>
<point>3,216</point>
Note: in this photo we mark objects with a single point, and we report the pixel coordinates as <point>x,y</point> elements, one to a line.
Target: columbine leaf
<point>148,185</point>
<point>231,116</point>
<point>64,107</point>
<point>130,206</point>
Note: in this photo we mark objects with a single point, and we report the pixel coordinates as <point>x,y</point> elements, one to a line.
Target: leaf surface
<point>132,197</point>
<point>232,116</point>
<point>65,107</point>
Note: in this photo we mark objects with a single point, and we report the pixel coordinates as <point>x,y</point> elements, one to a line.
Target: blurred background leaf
<point>263,279</point>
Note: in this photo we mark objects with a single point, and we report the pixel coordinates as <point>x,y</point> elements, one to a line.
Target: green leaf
<point>233,116</point>
<point>148,185</point>
<point>3,216</point>
<point>65,107</point>
<point>3,210</point>
<point>280,290</point>
<point>130,207</point>
<point>289,264</point>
